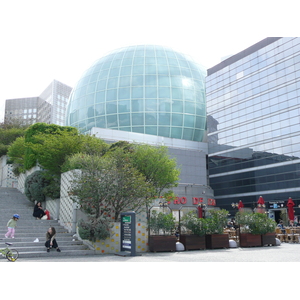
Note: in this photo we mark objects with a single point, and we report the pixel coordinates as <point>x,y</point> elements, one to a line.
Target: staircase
<point>29,229</point>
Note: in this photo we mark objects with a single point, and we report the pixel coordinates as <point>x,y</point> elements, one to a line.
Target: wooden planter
<point>159,243</point>
<point>214,241</point>
<point>268,239</point>
<point>193,242</point>
<point>250,240</point>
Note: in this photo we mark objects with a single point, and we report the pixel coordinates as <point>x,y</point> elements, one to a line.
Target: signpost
<point>128,243</point>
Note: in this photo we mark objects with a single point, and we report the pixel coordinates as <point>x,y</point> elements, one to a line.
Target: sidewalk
<point>283,253</point>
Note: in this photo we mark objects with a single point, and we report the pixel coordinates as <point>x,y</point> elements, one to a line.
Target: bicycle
<point>10,254</point>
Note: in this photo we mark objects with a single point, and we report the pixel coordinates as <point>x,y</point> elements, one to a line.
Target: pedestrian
<point>50,240</point>
<point>38,211</point>
<point>11,225</point>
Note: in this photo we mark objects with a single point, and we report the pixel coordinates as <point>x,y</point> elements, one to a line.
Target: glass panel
<point>177,106</point>
<point>124,106</point>
<point>138,119</point>
<point>138,69</point>
<point>112,83</point>
<point>164,92</point>
<point>150,69</point>
<point>137,105</point>
<point>100,109</point>
<point>137,80</point>
<point>125,71</point>
<point>188,134</point>
<point>176,132</point>
<point>111,95</point>
<point>150,119</point>
<point>124,93</point>
<point>177,119</point>
<point>189,121</point>
<point>101,122</point>
<point>111,107</point>
<point>150,92</point>
<point>163,81</point>
<point>164,131</point>
<point>124,119</point>
<point>137,92</point>
<point>164,119</point>
<point>138,129</point>
<point>101,85</point>
<point>150,80</point>
<point>189,107</point>
<point>100,97</point>
<point>177,93</point>
<point>151,130</point>
<point>124,81</point>
<point>112,121</point>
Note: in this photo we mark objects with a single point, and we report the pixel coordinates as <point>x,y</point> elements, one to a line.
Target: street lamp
<point>163,204</point>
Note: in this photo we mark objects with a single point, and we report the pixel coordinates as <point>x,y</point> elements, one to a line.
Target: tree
<point>108,185</point>
<point>157,166</point>
<point>8,135</point>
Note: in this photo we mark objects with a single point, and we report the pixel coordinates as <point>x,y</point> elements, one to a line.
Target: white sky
<point>44,40</point>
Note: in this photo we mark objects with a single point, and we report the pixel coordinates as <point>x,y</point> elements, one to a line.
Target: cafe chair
<point>281,236</point>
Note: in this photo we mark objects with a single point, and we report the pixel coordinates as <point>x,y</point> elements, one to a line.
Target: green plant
<point>255,223</point>
<point>217,221</point>
<point>162,222</point>
<point>97,229</point>
<point>197,226</point>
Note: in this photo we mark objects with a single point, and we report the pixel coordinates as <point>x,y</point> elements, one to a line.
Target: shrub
<point>93,229</point>
<point>197,226</point>
<point>162,222</point>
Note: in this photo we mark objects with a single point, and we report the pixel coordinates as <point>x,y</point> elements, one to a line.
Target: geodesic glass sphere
<point>146,89</point>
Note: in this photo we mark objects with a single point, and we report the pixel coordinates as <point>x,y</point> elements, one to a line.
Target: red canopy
<point>290,205</point>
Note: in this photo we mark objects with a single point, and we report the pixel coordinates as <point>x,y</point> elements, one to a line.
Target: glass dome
<point>145,89</point>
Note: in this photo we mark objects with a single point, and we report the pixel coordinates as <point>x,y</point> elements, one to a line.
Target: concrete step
<point>28,229</point>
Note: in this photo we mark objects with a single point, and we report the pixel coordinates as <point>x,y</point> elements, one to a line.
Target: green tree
<point>108,184</point>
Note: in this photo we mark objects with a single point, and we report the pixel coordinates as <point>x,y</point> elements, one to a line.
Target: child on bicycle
<point>11,225</point>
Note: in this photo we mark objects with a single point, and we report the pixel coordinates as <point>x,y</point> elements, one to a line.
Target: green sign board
<point>126,219</point>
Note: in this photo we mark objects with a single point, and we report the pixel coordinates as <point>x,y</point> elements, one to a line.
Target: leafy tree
<point>159,169</point>
<point>108,184</point>
<point>7,136</point>
<point>16,155</point>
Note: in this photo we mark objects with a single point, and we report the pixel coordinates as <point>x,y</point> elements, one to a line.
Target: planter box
<point>214,241</point>
<point>193,242</point>
<point>268,239</point>
<point>159,243</point>
<point>250,240</point>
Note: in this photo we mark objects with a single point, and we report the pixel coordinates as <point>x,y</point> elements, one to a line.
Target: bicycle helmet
<point>16,216</point>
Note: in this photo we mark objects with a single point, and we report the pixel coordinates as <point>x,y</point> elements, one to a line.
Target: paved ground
<point>283,253</point>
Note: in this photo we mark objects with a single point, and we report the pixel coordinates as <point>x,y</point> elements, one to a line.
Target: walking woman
<point>50,240</point>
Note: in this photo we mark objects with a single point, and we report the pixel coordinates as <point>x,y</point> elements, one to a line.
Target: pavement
<point>284,253</point>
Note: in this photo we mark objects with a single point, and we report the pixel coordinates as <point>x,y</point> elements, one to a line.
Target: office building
<point>49,107</point>
<point>253,125</point>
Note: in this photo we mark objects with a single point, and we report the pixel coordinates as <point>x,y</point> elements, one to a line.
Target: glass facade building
<point>144,89</point>
<point>253,112</point>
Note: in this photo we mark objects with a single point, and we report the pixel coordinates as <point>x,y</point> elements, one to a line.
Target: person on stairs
<point>38,211</point>
<point>50,240</point>
<point>11,225</point>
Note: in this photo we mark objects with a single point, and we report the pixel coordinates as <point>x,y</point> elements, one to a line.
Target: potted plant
<point>256,229</point>
<point>193,230</point>
<point>162,226</point>
<point>215,237</point>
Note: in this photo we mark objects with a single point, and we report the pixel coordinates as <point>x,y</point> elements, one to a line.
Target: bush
<point>217,221</point>
<point>255,223</point>
<point>160,221</point>
<point>93,230</point>
<point>40,184</point>
<point>197,226</point>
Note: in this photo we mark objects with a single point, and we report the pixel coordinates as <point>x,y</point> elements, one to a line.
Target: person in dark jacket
<point>38,211</point>
<point>50,240</point>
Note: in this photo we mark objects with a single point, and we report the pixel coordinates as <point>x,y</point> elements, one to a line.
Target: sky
<point>43,40</point>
